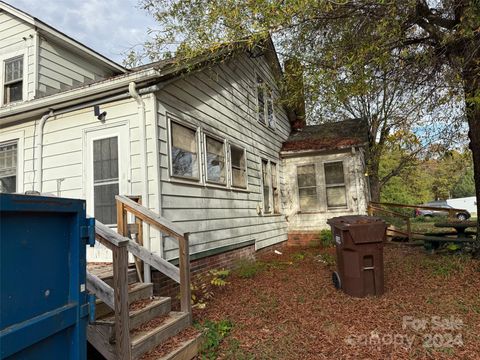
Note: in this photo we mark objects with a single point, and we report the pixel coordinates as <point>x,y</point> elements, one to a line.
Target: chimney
<point>295,96</point>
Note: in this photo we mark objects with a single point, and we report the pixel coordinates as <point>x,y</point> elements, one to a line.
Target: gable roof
<point>57,35</point>
<point>328,136</point>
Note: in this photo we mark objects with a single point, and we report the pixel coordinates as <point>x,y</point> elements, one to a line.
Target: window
<point>275,189</point>
<point>8,167</point>
<point>266,187</point>
<point>184,152</point>
<point>13,82</point>
<point>335,184</point>
<point>105,179</point>
<point>265,104</point>
<point>238,167</point>
<point>215,152</point>
<point>260,100</point>
<point>307,188</point>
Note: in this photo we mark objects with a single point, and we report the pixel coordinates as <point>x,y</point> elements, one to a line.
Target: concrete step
<point>143,341</point>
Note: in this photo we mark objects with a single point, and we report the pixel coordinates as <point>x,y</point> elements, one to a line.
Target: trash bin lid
<point>363,229</point>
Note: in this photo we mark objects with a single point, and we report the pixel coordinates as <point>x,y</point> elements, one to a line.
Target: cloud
<point>109,27</point>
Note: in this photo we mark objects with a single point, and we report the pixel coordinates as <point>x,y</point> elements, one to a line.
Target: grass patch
<point>443,266</point>
<point>247,269</point>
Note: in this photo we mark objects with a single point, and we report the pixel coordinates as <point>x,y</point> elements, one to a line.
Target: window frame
<point>230,167</point>
<point>271,211</point>
<point>207,134</point>
<point>18,138</point>
<point>3,59</point>
<point>267,97</point>
<point>344,184</point>
<point>318,208</point>
<point>197,130</point>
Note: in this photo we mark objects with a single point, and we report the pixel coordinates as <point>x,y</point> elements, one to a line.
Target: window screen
<point>307,188</point>
<point>105,179</point>
<point>238,167</point>
<point>13,81</point>
<point>266,187</point>
<point>8,167</point>
<point>184,152</point>
<point>335,184</point>
<point>215,160</point>
<point>270,115</point>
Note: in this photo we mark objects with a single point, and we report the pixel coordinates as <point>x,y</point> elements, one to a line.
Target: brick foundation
<point>303,238</point>
<point>164,286</point>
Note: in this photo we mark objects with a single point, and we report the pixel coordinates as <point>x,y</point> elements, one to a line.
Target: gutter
<point>38,153</point>
<point>132,90</point>
<point>102,89</point>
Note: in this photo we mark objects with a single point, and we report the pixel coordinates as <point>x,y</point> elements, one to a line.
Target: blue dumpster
<point>43,301</point>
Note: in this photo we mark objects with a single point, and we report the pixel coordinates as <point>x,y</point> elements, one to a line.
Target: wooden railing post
<point>184,264</point>
<point>120,286</point>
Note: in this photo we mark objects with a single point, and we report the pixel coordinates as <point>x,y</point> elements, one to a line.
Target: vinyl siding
<point>222,101</point>
<point>60,69</point>
<point>18,38</point>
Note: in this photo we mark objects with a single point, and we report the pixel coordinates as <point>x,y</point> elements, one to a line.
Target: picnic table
<point>432,241</point>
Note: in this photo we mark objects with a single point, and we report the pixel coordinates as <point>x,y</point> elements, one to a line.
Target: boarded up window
<point>307,188</point>
<point>266,187</point>
<point>13,81</point>
<point>335,184</point>
<point>239,167</point>
<point>215,160</point>
<point>8,167</point>
<point>275,188</point>
<point>184,152</point>
<point>105,179</point>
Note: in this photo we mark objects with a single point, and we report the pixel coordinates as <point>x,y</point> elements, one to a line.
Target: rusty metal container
<point>359,244</point>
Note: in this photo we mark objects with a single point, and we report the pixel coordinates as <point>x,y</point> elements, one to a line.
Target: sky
<point>110,27</point>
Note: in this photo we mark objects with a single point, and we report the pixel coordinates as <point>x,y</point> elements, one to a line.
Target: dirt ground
<point>289,309</point>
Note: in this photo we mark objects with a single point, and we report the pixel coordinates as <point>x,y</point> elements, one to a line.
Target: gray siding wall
<point>60,69</point>
<point>222,101</point>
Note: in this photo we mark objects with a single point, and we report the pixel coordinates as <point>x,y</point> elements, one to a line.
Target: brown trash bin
<point>359,243</point>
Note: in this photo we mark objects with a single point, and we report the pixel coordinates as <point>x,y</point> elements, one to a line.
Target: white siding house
<point>53,141</point>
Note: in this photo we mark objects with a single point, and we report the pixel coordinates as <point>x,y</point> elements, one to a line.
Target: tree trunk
<point>374,186</point>
<point>471,78</point>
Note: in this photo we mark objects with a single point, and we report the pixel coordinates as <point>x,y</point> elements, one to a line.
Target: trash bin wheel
<point>336,280</point>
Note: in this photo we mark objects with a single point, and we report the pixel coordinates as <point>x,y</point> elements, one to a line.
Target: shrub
<point>214,333</point>
<point>326,238</point>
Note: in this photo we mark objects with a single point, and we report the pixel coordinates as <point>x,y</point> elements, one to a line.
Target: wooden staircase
<point>129,320</point>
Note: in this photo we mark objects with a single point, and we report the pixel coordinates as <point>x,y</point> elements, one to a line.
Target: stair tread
<point>110,319</point>
<point>139,336</point>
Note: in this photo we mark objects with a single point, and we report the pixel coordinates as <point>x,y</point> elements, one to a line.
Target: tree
<point>437,41</point>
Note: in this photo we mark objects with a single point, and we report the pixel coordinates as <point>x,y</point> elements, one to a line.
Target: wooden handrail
<point>163,225</point>
<point>101,289</point>
<point>425,207</point>
<point>371,208</point>
<point>124,205</point>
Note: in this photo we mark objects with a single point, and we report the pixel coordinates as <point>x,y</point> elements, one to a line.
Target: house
<point>324,169</point>
<point>206,143</point>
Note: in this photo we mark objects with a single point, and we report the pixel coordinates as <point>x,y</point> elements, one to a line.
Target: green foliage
<point>214,333</point>
<point>203,284</point>
<point>247,269</point>
<point>298,256</point>
<point>465,186</point>
<point>326,238</point>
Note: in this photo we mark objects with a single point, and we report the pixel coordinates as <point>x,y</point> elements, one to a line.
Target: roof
<point>52,32</point>
<point>328,136</point>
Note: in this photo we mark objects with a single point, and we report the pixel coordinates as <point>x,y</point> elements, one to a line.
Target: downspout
<point>39,153</point>
<point>143,165</point>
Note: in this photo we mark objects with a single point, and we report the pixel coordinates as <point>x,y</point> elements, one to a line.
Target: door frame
<point>121,130</point>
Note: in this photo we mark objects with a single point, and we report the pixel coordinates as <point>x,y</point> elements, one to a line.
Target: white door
<point>106,175</point>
